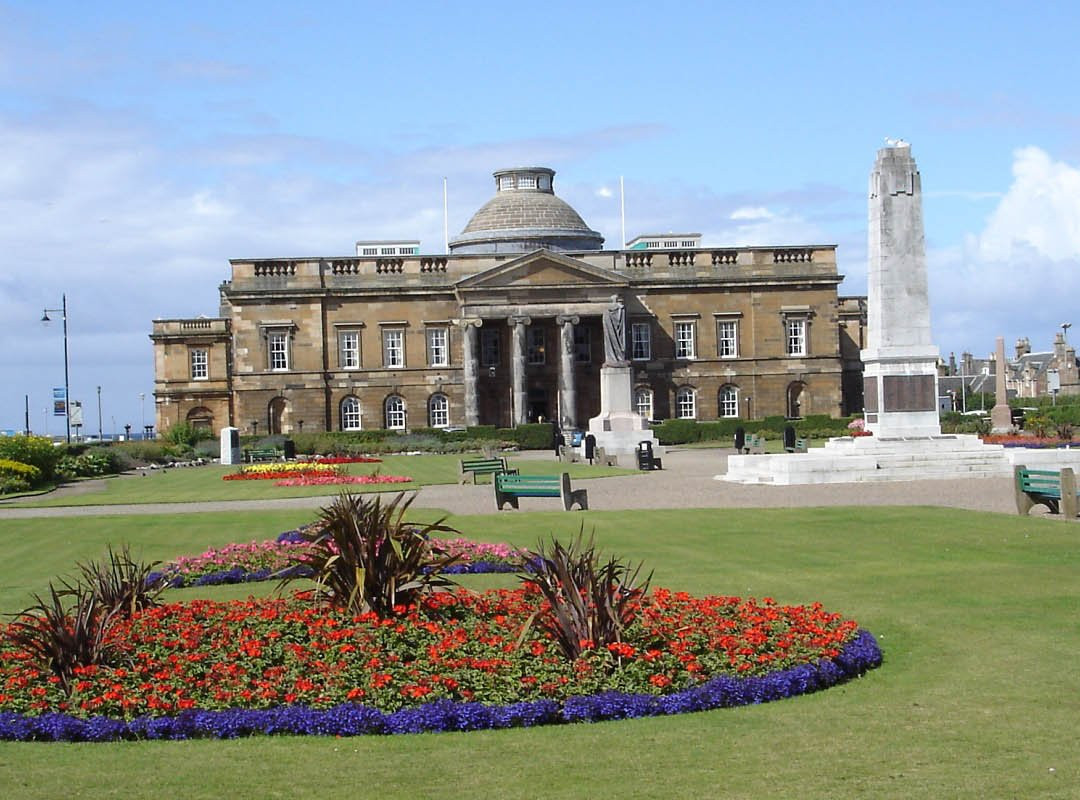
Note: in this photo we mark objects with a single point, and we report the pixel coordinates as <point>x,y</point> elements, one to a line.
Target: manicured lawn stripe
<point>978,695</point>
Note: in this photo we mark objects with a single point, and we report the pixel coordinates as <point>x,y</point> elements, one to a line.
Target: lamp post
<point>142,408</point>
<point>67,388</point>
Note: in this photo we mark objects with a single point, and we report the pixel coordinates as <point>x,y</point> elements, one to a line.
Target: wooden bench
<point>482,466</point>
<point>262,455</point>
<point>1051,488</point>
<point>755,443</point>
<point>508,488</point>
<point>800,446</point>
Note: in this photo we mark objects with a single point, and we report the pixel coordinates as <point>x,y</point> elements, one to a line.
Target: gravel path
<point>686,482</point>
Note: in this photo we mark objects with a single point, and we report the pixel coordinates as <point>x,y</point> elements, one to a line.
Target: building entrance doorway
<point>276,412</point>
<point>794,399</point>
<point>538,405</point>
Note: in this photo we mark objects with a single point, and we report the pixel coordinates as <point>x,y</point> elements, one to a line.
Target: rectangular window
<point>684,339</point>
<point>640,341</point>
<point>349,349</point>
<point>526,182</point>
<point>438,349</point>
<point>727,338</point>
<point>796,336</point>
<point>536,352</point>
<point>489,347</point>
<point>200,364</point>
<point>371,251</point>
<point>278,347</point>
<point>393,347</point>
<point>388,251</point>
<point>582,345</point>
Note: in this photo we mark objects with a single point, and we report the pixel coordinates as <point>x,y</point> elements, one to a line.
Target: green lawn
<point>979,695</point>
<point>197,484</point>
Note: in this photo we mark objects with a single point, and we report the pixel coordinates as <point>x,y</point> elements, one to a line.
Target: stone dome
<point>525,215</point>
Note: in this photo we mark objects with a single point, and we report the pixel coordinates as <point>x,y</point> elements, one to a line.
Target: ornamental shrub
<point>37,451</point>
<point>16,469</point>
<point>365,557</point>
<point>90,464</point>
<point>589,603</point>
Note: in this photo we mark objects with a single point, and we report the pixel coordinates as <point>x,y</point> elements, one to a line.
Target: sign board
<point>76,414</point>
<point>59,396</point>
<point>1053,381</point>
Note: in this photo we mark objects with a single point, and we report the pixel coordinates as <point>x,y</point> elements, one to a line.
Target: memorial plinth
<point>617,428</point>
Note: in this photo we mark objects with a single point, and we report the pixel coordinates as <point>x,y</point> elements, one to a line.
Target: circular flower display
<point>460,660</point>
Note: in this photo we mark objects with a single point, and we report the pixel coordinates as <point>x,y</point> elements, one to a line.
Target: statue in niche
<point>615,333</point>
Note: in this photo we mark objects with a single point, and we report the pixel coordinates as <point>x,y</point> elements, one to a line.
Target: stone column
<point>567,392</point>
<point>519,412</point>
<point>469,362</point>
<point>1000,415</point>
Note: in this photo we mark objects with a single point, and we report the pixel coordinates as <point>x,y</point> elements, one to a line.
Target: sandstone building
<point>508,328</point>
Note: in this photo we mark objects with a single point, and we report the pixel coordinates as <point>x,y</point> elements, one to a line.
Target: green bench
<point>482,466</point>
<point>253,456</point>
<point>508,488</point>
<point>1055,489</point>
<point>801,446</point>
<point>755,443</point>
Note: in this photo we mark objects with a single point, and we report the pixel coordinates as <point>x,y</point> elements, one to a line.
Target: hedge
<point>684,431</point>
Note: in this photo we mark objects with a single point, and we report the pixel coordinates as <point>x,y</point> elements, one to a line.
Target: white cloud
<point>747,212</point>
<point>604,191</point>
<point>1020,275</point>
<point>1041,210</point>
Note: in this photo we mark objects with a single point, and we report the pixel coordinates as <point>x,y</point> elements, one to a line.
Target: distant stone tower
<point>900,359</point>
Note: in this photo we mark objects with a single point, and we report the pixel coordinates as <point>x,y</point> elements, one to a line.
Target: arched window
<point>350,414</point>
<point>686,403</point>
<point>729,401</point>
<point>438,411</point>
<point>395,412</point>
<point>201,418</point>
<point>643,403</point>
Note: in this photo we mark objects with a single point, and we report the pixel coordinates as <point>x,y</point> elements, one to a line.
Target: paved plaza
<point>687,481</point>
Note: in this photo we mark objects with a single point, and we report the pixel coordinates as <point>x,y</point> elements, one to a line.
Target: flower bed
<point>263,472</point>
<point>267,560</point>
<point>1009,440</point>
<point>459,661</point>
<point>346,460</point>
<point>320,479</point>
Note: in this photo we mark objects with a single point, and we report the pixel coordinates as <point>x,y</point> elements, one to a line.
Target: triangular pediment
<point>542,268</point>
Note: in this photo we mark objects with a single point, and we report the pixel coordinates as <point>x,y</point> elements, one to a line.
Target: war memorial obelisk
<point>900,387</point>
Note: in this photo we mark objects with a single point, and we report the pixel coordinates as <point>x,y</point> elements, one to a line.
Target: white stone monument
<point>618,428</point>
<point>230,446</point>
<point>900,387</point>
<point>900,367</point>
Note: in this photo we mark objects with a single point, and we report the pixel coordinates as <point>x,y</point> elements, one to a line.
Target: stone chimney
<point>1023,347</point>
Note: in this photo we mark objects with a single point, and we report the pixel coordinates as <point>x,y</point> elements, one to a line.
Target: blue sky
<point>142,145</point>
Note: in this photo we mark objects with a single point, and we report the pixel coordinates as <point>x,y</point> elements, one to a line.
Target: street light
<point>67,392</point>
